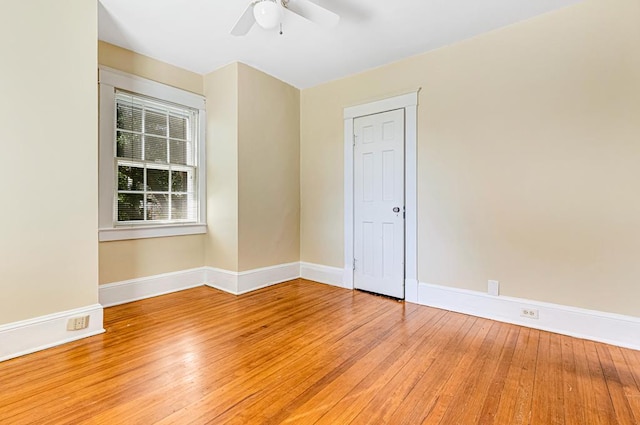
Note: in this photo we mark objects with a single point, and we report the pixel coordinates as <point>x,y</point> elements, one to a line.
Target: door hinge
<point>354,139</point>
<point>404,212</point>
<point>354,264</point>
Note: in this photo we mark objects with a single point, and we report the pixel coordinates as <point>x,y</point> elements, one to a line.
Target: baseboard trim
<point>235,283</point>
<point>609,328</point>
<point>39,333</point>
<point>238,283</point>
<point>323,274</point>
<point>151,286</point>
<point>223,280</point>
<point>252,280</point>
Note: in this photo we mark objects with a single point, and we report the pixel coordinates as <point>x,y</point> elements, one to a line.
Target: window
<point>155,161</point>
<point>151,159</point>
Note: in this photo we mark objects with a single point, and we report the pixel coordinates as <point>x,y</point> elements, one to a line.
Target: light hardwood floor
<point>306,353</point>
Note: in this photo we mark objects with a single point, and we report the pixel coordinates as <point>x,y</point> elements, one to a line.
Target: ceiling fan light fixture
<point>267,13</point>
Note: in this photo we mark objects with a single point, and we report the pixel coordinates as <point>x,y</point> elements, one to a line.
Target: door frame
<point>408,102</point>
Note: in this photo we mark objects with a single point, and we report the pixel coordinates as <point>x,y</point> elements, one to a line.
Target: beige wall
<point>253,169</point>
<point>124,260</point>
<point>221,91</point>
<point>269,170</point>
<point>48,247</point>
<point>146,67</point>
<point>528,153</point>
<point>253,192</point>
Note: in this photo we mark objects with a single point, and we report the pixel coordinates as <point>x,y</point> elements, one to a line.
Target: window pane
<point>177,127</point>
<point>155,149</point>
<point>158,180</point>
<point>129,117</point>
<point>130,206</point>
<point>179,181</point>
<point>155,123</point>
<point>179,207</point>
<point>178,152</point>
<point>130,178</point>
<point>128,145</point>
<point>157,207</point>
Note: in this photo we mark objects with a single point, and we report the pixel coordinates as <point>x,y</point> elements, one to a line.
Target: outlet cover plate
<point>78,323</point>
<point>530,313</point>
<point>493,287</point>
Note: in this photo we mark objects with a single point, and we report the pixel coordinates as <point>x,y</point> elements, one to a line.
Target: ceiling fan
<point>268,14</point>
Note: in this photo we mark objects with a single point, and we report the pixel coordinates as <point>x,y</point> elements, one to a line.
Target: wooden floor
<point>306,353</point>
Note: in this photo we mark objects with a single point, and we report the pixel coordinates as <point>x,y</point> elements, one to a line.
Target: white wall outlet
<point>493,288</point>
<point>530,313</point>
<point>78,323</point>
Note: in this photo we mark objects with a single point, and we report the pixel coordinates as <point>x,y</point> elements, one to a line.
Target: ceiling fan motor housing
<point>268,13</point>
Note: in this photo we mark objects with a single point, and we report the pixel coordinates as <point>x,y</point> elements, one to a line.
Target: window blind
<point>155,161</point>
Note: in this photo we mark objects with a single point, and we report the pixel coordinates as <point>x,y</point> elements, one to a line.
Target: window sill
<point>124,233</point>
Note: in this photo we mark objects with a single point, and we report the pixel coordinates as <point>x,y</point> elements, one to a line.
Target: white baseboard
<point>323,274</point>
<point>146,287</point>
<point>615,329</point>
<point>29,336</point>
<point>223,280</point>
<point>233,282</point>
<point>238,283</point>
<point>260,278</point>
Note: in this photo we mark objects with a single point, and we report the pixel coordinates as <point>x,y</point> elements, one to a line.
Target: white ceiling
<point>194,34</point>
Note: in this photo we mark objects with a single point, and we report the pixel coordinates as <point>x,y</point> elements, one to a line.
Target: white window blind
<point>155,161</point>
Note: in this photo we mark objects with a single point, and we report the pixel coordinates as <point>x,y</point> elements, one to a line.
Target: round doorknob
<point>396,209</point>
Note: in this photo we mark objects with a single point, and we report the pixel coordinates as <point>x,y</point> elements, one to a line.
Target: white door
<point>379,203</point>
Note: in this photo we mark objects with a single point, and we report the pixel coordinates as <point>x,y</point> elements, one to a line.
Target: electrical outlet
<point>78,323</point>
<point>493,287</point>
<point>530,313</point>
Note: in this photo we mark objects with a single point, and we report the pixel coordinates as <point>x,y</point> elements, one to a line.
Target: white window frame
<point>110,80</point>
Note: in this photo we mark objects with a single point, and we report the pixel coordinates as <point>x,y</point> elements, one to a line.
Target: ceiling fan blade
<point>245,22</point>
<point>313,12</point>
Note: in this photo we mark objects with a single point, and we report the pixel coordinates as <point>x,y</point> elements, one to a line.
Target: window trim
<point>109,80</point>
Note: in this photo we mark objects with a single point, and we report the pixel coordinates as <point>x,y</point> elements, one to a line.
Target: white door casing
<point>409,102</point>
<point>379,203</point>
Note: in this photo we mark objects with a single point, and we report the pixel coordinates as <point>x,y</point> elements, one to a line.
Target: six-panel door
<point>379,203</point>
